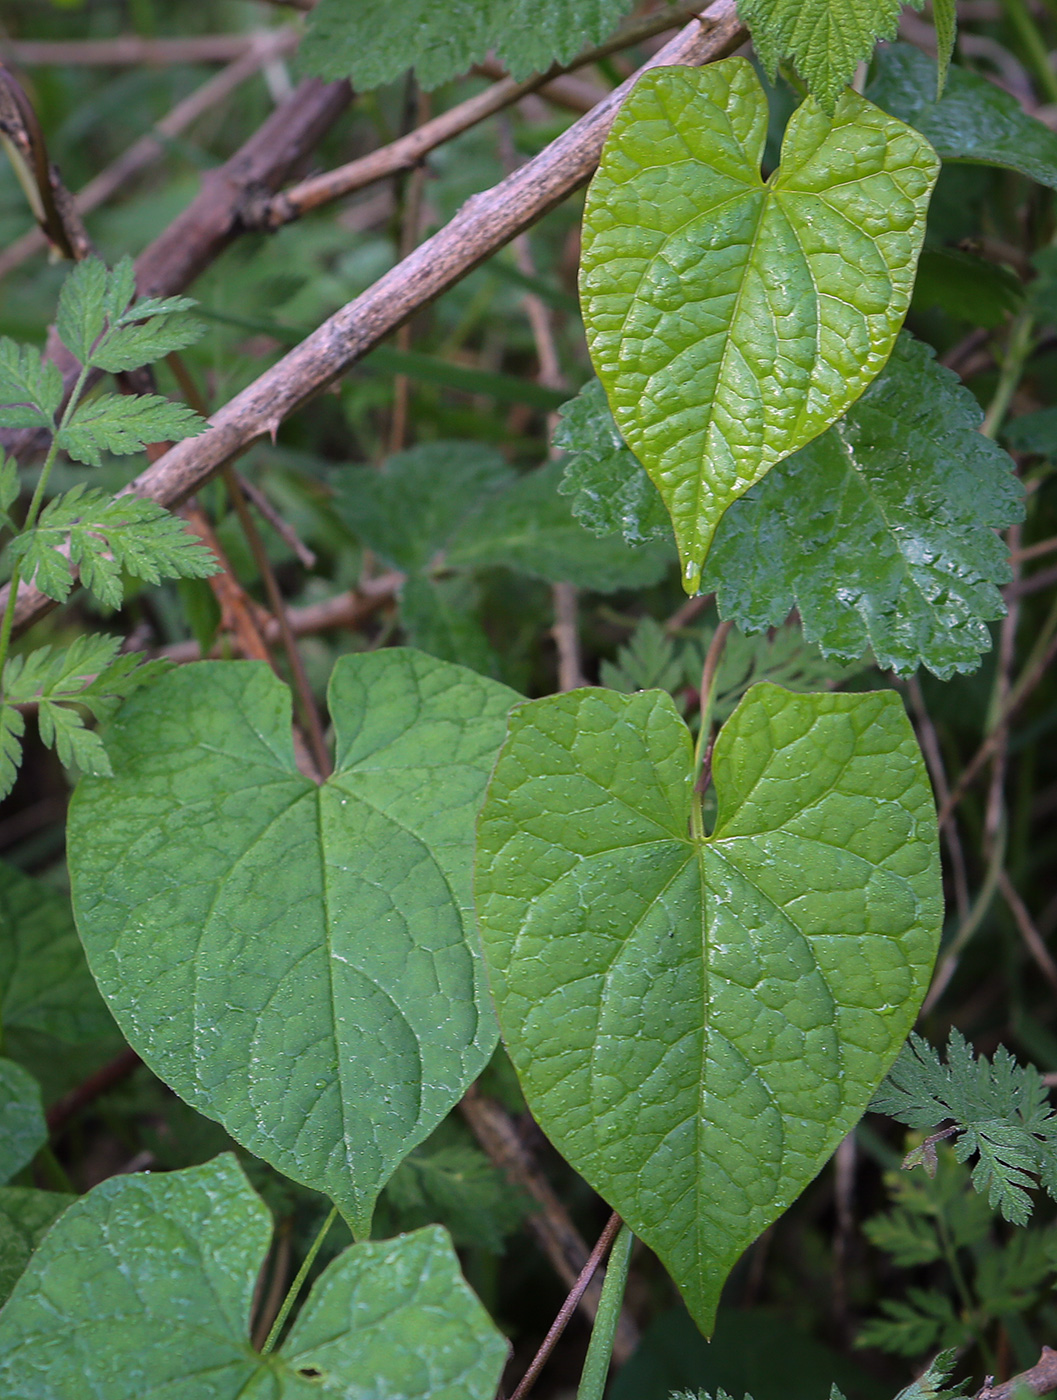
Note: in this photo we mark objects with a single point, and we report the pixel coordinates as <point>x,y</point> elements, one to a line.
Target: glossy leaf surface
<point>697,1022</point>
<point>973,121</point>
<point>144,1287</point>
<point>731,320</point>
<point>23,1131</point>
<point>899,502</point>
<point>297,962</point>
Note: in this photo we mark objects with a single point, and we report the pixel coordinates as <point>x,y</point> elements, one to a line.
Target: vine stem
<point>550,1341</point>
<point>31,517</point>
<point>600,1349</point>
<point>703,749</point>
<point>298,1283</point>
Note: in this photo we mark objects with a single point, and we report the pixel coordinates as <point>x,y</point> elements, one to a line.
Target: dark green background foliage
<point>455,526</point>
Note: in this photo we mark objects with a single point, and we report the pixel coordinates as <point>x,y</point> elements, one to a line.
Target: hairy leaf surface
<point>732,320</point>
<point>899,503</point>
<point>974,121</point>
<point>22,1128</point>
<point>145,1286</point>
<point>697,1022</point>
<point>296,961</point>
<point>374,41</point>
<point>825,41</point>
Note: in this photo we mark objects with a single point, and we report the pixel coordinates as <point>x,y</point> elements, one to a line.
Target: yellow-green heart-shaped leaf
<point>697,1021</point>
<point>733,319</point>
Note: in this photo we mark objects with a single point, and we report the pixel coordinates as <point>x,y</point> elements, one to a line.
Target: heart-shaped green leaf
<point>296,961</point>
<point>697,1021</point>
<point>731,320</point>
<point>145,1286</point>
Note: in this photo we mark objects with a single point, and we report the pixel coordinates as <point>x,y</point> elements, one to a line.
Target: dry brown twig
<point>1041,1379</point>
<point>129,50</point>
<point>486,223</point>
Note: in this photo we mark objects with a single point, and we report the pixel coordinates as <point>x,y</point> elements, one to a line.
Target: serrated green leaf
<point>974,121</point>
<point>124,423</point>
<point>373,41</point>
<point>23,1131</point>
<point>25,378</point>
<point>732,321</point>
<point>12,727</point>
<point>45,985</point>
<point>696,1022</point>
<point>10,486</point>
<point>531,528</point>
<point>611,493</point>
<point>410,509</point>
<point>63,729</point>
<point>649,660</point>
<point>213,968</point>
<point>82,308</point>
<point>927,1320</point>
<point>104,535</point>
<point>900,501</point>
<point>128,347</point>
<point>945,18</point>
<point>457,1186</point>
<point>120,289</point>
<point>930,1385</point>
<point>24,416</point>
<point>826,41</point>
<point>145,1286</point>
<point>26,1216</point>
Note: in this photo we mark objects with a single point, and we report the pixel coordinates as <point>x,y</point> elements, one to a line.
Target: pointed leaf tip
<point>732,320</point>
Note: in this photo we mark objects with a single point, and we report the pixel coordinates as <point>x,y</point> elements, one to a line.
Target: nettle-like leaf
<point>372,42</point>
<point>124,423</point>
<point>697,1021</point>
<point>899,502</point>
<point>611,494</point>
<point>974,121</point>
<point>28,384</point>
<point>45,985</point>
<point>145,1287</point>
<point>23,1131</point>
<point>331,1018</point>
<point>102,535</point>
<point>1001,1110</point>
<point>826,41</point>
<point>732,320</point>
<point>26,1215</point>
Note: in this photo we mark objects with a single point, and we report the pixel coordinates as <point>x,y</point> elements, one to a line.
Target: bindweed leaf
<point>697,1021</point>
<point>297,962</point>
<point>145,1287</point>
<point>732,320</point>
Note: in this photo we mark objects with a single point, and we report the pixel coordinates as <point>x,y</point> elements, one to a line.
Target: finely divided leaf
<point>104,535</point>
<point>899,502</point>
<point>123,423</point>
<point>128,347</point>
<point>696,1022</point>
<point>145,1287</point>
<point>29,381</point>
<point>82,308</point>
<point>1001,1109</point>
<point>12,727</point>
<point>826,41</point>
<point>23,1131</point>
<point>732,321</point>
<point>10,487</point>
<point>974,121</point>
<point>373,41</point>
<point>331,1018</point>
<point>611,493</point>
<point>45,985</point>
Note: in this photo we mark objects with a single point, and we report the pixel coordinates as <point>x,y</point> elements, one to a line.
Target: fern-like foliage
<point>997,1110</point>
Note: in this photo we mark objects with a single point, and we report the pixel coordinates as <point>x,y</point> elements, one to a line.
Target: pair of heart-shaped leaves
<point>696,1023</point>
<point>732,319</point>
